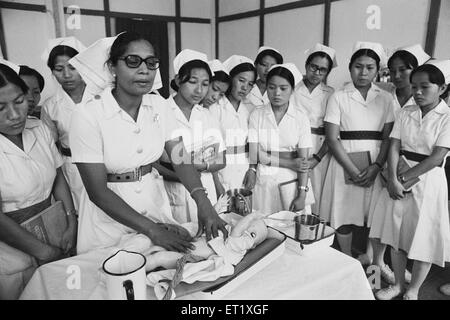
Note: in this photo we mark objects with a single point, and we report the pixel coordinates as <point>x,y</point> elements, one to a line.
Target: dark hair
<point>60,51</point>
<point>320,54</point>
<point>27,71</point>
<point>120,45</point>
<point>184,74</point>
<point>282,72</point>
<point>406,57</point>
<point>434,74</point>
<point>8,75</point>
<point>365,52</point>
<point>243,67</point>
<point>269,52</point>
<point>222,77</point>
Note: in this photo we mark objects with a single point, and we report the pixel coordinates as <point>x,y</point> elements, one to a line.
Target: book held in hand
<point>49,225</point>
<point>402,167</point>
<point>361,160</point>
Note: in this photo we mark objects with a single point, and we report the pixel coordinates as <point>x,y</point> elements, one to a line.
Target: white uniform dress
<point>345,204</point>
<point>255,99</point>
<point>200,131</point>
<point>419,223</point>
<point>390,87</point>
<point>234,128</point>
<point>102,132</point>
<point>314,105</point>
<point>26,178</point>
<point>291,133</point>
<point>57,114</point>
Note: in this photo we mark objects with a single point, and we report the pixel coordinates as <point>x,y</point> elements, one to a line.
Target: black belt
<point>283,154</point>
<point>361,135</point>
<point>167,165</point>
<point>237,149</point>
<point>24,214</point>
<point>413,156</point>
<point>131,176</point>
<point>318,131</point>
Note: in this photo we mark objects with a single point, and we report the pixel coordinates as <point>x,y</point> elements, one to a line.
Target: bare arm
<point>208,219</point>
<point>299,202</point>
<point>434,160</point>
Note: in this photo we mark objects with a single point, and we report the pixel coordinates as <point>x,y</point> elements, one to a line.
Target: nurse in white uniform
<point>279,137</point>
<point>71,92</point>
<point>199,130</point>
<point>266,57</point>
<point>30,174</point>
<point>416,222</point>
<point>115,138</point>
<point>311,96</point>
<point>359,118</point>
<point>400,64</point>
<point>233,119</point>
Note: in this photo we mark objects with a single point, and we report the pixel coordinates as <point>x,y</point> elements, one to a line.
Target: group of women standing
<point>125,161</point>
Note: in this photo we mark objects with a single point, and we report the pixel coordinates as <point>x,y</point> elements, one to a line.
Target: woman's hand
<point>209,221</point>
<point>312,163</point>
<point>395,189</point>
<point>298,203</point>
<point>170,237</point>
<point>249,179</point>
<point>51,254</point>
<point>300,165</point>
<point>368,176</point>
<point>69,238</point>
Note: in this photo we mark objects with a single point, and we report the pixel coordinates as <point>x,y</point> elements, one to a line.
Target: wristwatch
<point>306,188</point>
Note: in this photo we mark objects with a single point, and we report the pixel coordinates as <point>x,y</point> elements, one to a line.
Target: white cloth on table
<point>26,178</point>
<point>57,114</point>
<point>200,131</point>
<point>234,128</point>
<point>314,105</point>
<point>293,132</point>
<point>102,132</point>
<point>418,223</point>
<point>343,204</point>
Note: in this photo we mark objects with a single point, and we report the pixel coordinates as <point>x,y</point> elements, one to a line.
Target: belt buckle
<point>138,174</point>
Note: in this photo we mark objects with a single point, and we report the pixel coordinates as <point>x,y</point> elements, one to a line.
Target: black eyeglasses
<point>314,68</point>
<point>134,61</point>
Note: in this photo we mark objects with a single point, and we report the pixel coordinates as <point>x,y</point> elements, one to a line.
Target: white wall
<point>227,7</point>
<point>442,50</point>
<point>85,4</point>
<point>239,37</point>
<point>157,7</point>
<point>91,29</point>
<point>27,40</point>
<point>293,32</point>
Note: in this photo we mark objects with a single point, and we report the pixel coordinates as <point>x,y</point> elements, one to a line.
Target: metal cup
<point>306,227</point>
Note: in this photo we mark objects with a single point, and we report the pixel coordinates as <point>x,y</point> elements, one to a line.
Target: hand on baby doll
<point>247,233</point>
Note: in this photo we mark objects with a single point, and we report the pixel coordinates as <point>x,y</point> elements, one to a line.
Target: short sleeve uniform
<point>57,114</point>
<point>234,128</point>
<point>293,132</point>
<point>199,132</point>
<point>419,223</point>
<point>344,204</point>
<point>314,104</point>
<point>102,132</point>
<point>26,178</point>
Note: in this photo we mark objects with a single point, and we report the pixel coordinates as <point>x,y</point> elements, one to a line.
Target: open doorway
<point>156,33</point>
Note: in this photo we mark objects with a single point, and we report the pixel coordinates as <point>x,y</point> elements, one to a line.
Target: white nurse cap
<point>279,56</point>
<point>418,52</point>
<point>374,46</point>
<point>90,64</point>
<point>292,68</point>
<point>215,65</point>
<point>443,66</point>
<point>185,56</point>
<point>13,66</point>
<point>65,41</point>
<point>322,48</point>
<point>235,60</point>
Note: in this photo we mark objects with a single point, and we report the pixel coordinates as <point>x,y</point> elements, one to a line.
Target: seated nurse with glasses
<point>116,137</point>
